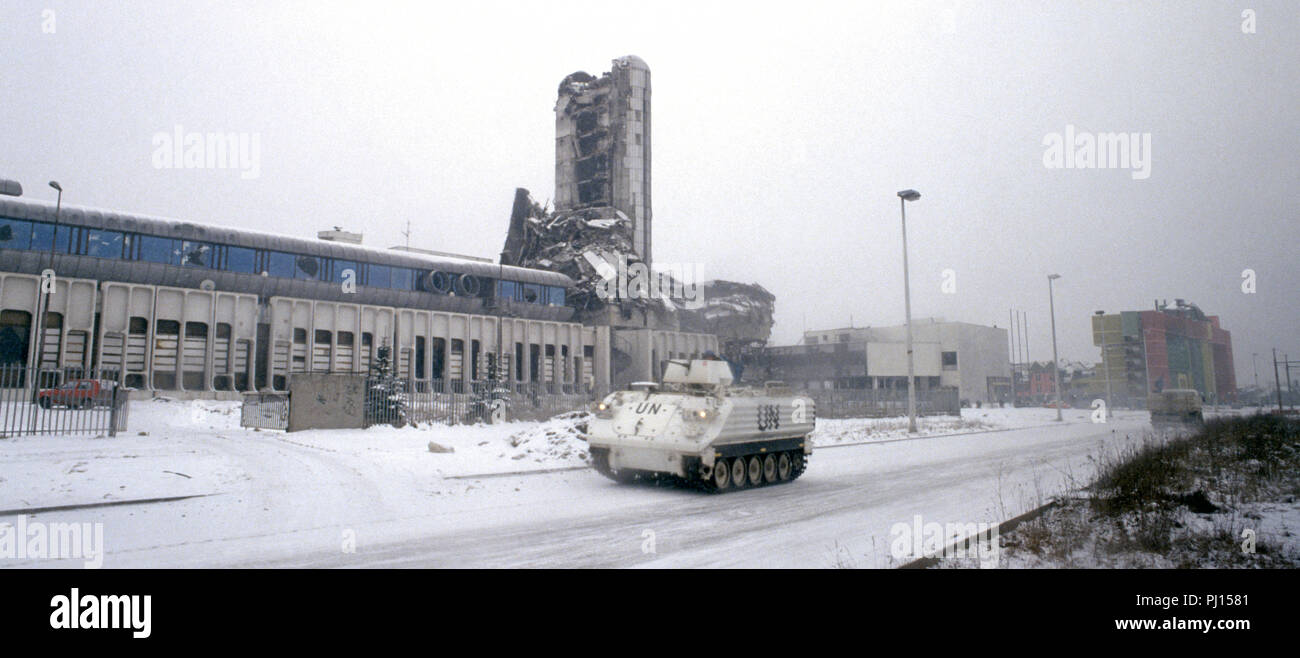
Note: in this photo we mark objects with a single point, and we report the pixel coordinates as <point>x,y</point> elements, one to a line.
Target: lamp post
<point>45,285</point>
<point>903,198</point>
<point>43,303</point>
<point>1056,370</point>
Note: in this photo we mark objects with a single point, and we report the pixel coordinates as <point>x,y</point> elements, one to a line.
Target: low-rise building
<point>971,358</point>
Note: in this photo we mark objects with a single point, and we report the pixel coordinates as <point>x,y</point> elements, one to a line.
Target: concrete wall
<point>890,359</point>
<point>982,352</point>
<point>648,349</point>
<point>325,401</point>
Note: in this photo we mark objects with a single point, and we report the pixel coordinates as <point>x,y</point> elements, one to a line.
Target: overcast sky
<point>781,133</point>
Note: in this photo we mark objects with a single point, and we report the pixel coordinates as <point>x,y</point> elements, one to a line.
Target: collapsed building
<point>602,146</point>
<point>599,234</point>
<point>739,314</point>
<point>595,250</point>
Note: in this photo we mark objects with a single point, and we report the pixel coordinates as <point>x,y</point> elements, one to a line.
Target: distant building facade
<point>1042,381</point>
<point>1171,346</point>
<point>971,358</point>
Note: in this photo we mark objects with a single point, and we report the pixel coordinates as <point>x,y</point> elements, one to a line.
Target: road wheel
<point>755,470</point>
<point>800,462</point>
<point>783,466</point>
<point>738,472</point>
<point>46,403</point>
<point>769,468</point>
<point>722,475</point>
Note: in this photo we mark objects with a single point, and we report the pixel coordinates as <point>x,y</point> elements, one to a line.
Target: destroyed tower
<point>602,145</point>
<point>601,224</point>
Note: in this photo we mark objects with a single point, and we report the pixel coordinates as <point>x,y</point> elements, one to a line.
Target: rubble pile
<point>588,244</point>
<point>739,314</point>
<point>584,244</point>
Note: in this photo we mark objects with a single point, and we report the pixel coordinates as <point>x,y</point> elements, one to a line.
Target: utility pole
<point>1011,333</point>
<point>1286,364</point>
<point>1254,356</point>
<point>1276,382</point>
<point>1056,370</point>
<point>1025,359</point>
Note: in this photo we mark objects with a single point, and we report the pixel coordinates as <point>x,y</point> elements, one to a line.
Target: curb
<point>65,508</point>
<point>941,436</point>
<point>964,543</point>
<point>539,471</point>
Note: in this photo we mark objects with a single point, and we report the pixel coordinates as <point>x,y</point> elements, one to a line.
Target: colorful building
<point>1175,346</point>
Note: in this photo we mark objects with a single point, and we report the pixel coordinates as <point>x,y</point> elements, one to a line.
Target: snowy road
<point>347,501</point>
<point>830,517</point>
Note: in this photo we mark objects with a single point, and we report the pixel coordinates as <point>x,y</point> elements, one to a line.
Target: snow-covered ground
<point>276,498</point>
<point>849,431</point>
<point>178,448</point>
<point>1203,541</point>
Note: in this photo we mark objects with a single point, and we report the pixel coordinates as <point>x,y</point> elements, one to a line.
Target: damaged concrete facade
<point>602,146</point>
<point>601,228</point>
<point>741,315</point>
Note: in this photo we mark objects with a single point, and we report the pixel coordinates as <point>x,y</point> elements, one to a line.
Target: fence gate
<point>268,411</point>
<point>60,401</point>
<point>402,401</point>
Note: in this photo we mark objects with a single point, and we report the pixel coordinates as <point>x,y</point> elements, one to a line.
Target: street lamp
<point>1056,370</point>
<point>903,198</point>
<point>44,285</point>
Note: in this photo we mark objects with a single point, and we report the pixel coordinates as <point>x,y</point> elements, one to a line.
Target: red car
<point>77,394</point>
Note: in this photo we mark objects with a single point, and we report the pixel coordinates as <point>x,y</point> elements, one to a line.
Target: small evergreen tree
<point>385,398</point>
<point>490,397</point>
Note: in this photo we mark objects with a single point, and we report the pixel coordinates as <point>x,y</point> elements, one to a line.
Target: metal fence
<point>397,402</point>
<point>61,401</point>
<point>268,411</point>
<point>879,403</point>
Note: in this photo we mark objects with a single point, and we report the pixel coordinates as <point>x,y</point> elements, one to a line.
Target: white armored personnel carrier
<point>696,427</point>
